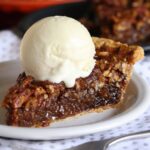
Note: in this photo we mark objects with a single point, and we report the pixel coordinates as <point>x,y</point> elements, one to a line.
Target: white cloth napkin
<point>9,49</point>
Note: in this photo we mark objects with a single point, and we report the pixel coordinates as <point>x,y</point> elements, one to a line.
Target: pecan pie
<point>122,20</point>
<point>32,103</point>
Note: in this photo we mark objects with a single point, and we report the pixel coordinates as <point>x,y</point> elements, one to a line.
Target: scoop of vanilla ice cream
<point>57,49</point>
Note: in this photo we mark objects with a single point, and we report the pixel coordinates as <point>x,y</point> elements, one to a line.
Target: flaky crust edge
<point>138,52</point>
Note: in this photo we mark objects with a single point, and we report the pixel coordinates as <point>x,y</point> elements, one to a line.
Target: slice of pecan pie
<point>38,103</point>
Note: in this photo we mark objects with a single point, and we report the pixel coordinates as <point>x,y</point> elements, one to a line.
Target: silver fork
<point>105,144</point>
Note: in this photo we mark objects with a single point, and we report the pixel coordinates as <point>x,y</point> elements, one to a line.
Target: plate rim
<point>69,132</point>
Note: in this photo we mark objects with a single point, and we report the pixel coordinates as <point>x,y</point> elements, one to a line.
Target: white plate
<point>137,100</point>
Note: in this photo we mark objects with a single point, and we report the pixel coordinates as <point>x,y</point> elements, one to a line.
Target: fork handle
<point>137,135</point>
